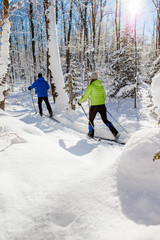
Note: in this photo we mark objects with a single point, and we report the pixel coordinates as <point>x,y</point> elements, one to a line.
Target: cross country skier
<point>42,86</point>
<point>97,94</point>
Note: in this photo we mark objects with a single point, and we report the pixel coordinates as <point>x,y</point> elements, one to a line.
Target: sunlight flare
<point>134,7</point>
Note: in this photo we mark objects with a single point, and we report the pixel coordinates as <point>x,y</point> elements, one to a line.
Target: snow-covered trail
<point>56,184</point>
<point>69,200</point>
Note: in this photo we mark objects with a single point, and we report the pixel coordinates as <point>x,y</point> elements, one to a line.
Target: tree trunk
<point>2,103</point>
<point>3,81</point>
<point>81,34</point>
<point>32,39</point>
<point>56,11</point>
<point>158,18</point>
<point>93,13</point>
<point>143,37</point>
<point>6,8</point>
<point>54,64</point>
<point>118,23</point>
<point>67,35</point>
<point>68,57</point>
<point>49,73</point>
<point>100,25</point>
<point>157,6</point>
<point>86,41</point>
<point>12,64</point>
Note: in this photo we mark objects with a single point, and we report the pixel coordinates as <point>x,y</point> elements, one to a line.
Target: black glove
<point>79,103</point>
<point>29,88</point>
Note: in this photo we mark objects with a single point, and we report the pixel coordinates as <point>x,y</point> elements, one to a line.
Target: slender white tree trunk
<point>55,64</point>
<point>4,53</point>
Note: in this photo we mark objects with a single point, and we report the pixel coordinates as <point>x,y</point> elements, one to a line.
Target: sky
<point>146,12</point>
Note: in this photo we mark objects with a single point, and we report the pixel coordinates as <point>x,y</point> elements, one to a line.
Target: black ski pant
<point>45,99</point>
<point>101,109</point>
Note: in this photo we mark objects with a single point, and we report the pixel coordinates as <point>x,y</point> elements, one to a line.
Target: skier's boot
<point>113,130</point>
<point>90,135</point>
<point>117,136</point>
<point>50,113</point>
<point>91,131</point>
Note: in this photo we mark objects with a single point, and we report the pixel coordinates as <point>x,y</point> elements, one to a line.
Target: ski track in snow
<point>79,201</point>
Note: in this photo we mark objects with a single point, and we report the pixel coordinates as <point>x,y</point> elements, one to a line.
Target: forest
<point>119,39</point>
<point>57,183</point>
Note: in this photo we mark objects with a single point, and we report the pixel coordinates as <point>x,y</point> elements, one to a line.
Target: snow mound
<point>138,177</point>
<point>155,88</point>
<point>13,131</point>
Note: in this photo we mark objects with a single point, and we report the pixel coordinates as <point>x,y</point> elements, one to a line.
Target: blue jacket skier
<point>42,87</point>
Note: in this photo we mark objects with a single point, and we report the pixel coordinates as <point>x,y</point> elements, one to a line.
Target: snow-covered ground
<point>55,184</point>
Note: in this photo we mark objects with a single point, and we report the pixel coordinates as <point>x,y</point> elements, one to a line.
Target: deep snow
<point>155,88</point>
<point>57,184</point>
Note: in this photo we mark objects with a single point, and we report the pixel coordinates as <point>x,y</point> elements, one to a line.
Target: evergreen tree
<point>155,68</point>
<point>123,66</point>
<point>78,81</point>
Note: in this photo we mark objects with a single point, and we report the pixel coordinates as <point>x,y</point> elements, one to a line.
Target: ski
<point>109,140</point>
<point>99,140</point>
<point>51,118</point>
<point>95,138</point>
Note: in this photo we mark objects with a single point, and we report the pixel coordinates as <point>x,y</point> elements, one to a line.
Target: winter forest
<point>55,182</point>
<point>119,39</point>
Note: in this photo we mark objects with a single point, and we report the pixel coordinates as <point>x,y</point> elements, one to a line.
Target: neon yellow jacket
<point>96,93</point>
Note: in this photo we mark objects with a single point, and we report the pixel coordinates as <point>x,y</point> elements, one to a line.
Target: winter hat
<point>94,76</point>
<point>39,75</point>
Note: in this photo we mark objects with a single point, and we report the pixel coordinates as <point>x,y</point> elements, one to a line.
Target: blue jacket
<point>42,86</point>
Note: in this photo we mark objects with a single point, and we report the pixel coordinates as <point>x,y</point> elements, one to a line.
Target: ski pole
<point>88,119</point>
<point>33,102</point>
<point>84,112</point>
<point>117,122</point>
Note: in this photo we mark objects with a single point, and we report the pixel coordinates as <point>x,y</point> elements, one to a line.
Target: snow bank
<point>13,131</point>
<point>125,90</point>
<point>11,124</point>
<point>32,176</point>
<point>138,177</point>
<point>59,185</point>
<point>155,88</point>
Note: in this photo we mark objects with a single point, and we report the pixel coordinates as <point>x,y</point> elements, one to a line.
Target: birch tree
<point>4,53</point>
<point>54,57</point>
<point>118,23</point>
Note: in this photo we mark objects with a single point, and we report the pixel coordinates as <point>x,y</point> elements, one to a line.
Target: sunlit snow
<point>55,183</point>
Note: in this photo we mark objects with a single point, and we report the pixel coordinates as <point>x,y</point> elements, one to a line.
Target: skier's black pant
<point>102,111</point>
<point>40,99</point>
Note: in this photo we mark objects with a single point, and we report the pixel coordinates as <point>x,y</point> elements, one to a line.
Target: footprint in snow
<point>63,219</point>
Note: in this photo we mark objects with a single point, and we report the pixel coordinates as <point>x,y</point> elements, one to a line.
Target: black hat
<point>39,75</point>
